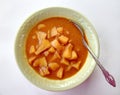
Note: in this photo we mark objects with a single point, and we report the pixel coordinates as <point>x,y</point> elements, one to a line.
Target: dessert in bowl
<point>49,49</point>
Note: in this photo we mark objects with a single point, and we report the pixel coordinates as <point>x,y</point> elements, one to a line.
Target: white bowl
<point>27,70</point>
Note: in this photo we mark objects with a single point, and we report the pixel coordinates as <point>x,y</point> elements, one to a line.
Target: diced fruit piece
<point>40,26</point>
<point>63,39</point>
<point>43,62</point>
<point>53,32</point>
<point>32,49</point>
<point>44,71</point>
<point>76,65</point>
<point>44,46</point>
<point>69,68</point>
<point>55,56</point>
<point>74,55</point>
<point>51,50</point>
<point>67,53</point>
<point>46,53</point>
<point>53,66</point>
<point>31,59</point>
<point>40,62</point>
<point>64,61</point>
<point>59,29</point>
<point>60,72</point>
<point>55,43</point>
<point>41,36</point>
<point>36,63</point>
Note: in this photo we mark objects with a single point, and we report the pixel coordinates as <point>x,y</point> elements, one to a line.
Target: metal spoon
<point>109,78</point>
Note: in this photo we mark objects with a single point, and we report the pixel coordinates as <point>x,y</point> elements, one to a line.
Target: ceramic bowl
<point>35,78</point>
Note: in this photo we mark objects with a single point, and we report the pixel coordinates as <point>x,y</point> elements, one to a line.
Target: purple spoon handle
<point>110,79</point>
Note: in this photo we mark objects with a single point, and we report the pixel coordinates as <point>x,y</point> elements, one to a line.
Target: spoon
<point>109,78</point>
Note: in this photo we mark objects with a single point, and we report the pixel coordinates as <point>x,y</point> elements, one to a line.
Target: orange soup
<point>54,48</point>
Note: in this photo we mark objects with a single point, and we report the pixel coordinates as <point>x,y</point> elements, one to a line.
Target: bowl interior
<point>30,74</point>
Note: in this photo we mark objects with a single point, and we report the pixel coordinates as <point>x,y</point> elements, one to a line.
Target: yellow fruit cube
<point>46,53</point>
<point>40,26</point>
<point>44,46</point>
<point>31,59</point>
<point>53,32</point>
<point>53,66</point>
<point>59,29</point>
<point>40,62</point>
<point>74,55</point>
<point>64,61</point>
<point>60,72</point>
<point>55,56</point>
<point>55,43</point>
<point>41,36</point>
<point>63,39</point>
<point>51,50</point>
<point>67,53</point>
<point>32,49</point>
<point>76,65</point>
<point>44,71</point>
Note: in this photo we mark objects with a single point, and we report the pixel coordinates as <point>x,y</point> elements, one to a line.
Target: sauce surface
<point>50,46</point>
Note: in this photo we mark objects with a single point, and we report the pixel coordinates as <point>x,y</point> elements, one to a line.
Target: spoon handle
<point>110,79</point>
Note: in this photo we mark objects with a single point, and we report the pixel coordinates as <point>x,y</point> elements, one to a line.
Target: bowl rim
<point>63,8</point>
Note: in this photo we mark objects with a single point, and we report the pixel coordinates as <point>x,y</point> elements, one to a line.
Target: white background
<point>103,14</point>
